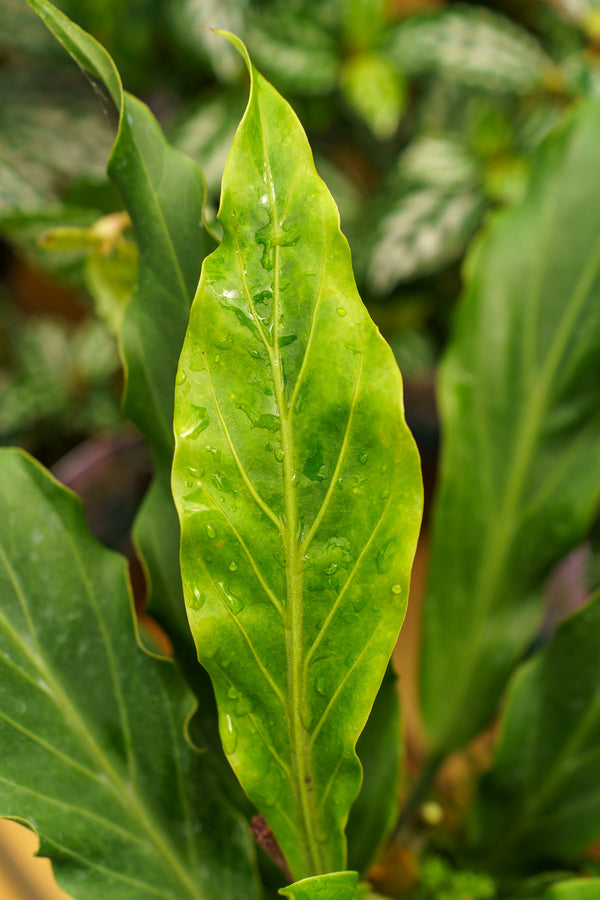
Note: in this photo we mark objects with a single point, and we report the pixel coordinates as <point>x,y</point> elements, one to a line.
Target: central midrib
<point>294,594</point>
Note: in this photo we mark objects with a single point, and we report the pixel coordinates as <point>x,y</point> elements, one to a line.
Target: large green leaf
<point>520,471</point>
<point>541,801</point>
<point>298,488</point>
<point>91,727</point>
<point>163,192</point>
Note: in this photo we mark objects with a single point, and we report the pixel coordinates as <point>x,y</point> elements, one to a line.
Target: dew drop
<point>198,599</point>
<point>232,693</point>
<point>341,311</point>
<point>385,557</point>
<point>396,589</point>
<point>229,735</point>
<point>218,358</point>
<point>331,569</point>
<point>210,532</point>
<point>181,376</point>
<point>234,604</point>
<point>278,454</point>
<point>255,354</point>
<point>363,458</point>
<point>232,566</point>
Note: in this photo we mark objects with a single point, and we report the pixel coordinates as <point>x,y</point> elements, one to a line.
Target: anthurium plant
<point>277,537</point>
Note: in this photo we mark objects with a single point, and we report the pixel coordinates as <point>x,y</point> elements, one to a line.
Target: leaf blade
<point>520,417</point>
<point>92,728</point>
<point>544,778</point>
<point>164,193</point>
<point>258,494</point>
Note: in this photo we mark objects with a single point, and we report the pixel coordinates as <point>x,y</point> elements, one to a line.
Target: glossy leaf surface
<point>333,886</point>
<point>518,396</point>
<point>541,801</point>
<point>163,192</point>
<point>298,488</point>
<point>91,727</point>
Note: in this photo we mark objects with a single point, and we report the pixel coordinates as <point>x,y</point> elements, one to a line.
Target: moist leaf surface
<point>298,488</point>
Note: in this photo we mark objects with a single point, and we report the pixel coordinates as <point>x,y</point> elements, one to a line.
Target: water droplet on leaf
<point>232,566</point>
<point>210,532</point>
<point>385,557</point>
<point>341,311</point>
<point>363,458</point>
<point>198,599</point>
<point>229,735</point>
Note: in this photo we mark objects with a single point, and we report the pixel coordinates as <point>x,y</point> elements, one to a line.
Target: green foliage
<point>519,411</point>
<point>92,728</point>
<point>294,474</point>
<point>289,512</point>
<point>540,801</point>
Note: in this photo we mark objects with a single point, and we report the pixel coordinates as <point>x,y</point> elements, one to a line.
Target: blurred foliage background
<point>423,115</point>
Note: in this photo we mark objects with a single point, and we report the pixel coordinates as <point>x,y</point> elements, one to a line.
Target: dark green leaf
<point>163,192</point>
<point>91,727</point>
<point>540,804</point>
<point>379,749</point>
<point>518,396</point>
<point>298,488</point>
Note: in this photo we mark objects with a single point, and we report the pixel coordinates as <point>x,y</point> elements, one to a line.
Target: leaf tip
<point>238,44</point>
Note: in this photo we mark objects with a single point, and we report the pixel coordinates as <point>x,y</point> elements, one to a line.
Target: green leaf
<point>298,487</point>
<point>375,91</point>
<point>473,46</point>
<point>576,889</point>
<point>91,727</point>
<point>163,192</point>
<point>425,229</point>
<point>379,748</point>
<point>540,803</point>
<point>333,886</point>
<point>518,396</point>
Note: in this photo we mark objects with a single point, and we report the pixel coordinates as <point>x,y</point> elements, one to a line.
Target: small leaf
<point>540,804</point>
<point>427,228</point>
<point>297,635</point>
<point>471,45</point>
<point>520,471</point>
<point>376,92</point>
<point>333,886</point>
<point>91,727</point>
